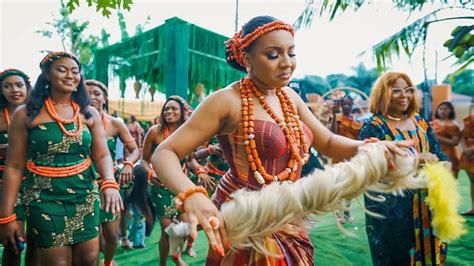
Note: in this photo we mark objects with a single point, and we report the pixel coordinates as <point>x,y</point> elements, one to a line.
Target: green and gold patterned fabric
<point>61,211</point>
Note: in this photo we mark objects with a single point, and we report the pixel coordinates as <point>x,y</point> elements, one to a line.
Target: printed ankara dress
<point>404,236</point>
<point>62,210</point>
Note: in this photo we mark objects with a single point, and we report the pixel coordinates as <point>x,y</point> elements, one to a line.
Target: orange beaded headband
<point>53,56</point>
<point>236,45</point>
<point>98,84</point>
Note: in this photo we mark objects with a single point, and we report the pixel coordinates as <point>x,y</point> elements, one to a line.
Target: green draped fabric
<point>172,57</point>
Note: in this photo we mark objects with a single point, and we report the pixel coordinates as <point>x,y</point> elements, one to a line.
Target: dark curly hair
<point>42,90</point>
<point>248,28</point>
<point>452,114</point>
<point>3,100</point>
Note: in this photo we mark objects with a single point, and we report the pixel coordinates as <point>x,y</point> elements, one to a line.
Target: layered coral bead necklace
<point>290,125</point>
<point>75,119</point>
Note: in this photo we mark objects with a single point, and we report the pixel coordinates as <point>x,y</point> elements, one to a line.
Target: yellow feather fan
<point>443,200</point>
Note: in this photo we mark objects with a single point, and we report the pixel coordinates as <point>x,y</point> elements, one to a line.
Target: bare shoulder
<point>21,112</point>
<point>225,96</point>
<point>154,129</point>
<point>117,122</point>
<point>91,121</point>
<point>224,103</point>
<point>294,96</point>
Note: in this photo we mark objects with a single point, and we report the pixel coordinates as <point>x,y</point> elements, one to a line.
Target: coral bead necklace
<point>104,120</point>
<point>75,119</point>
<point>290,125</point>
<point>7,116</point>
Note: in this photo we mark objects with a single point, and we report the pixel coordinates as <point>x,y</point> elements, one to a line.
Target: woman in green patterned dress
<point>55,136</point>
<point>215,163</point>
<point>114,128</point>
<point>16,87</point>
<point>174,113</point>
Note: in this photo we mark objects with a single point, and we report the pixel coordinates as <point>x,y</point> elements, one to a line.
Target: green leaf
<point>72,5</point>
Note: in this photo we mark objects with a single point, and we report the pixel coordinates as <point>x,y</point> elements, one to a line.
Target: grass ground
<point>331,246</point>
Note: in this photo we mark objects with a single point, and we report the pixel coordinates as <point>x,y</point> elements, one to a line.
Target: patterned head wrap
<point>14,72</point>
<point>236,45</point>
<point>53,56</point>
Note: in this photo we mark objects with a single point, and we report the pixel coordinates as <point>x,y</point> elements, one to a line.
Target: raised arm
<point>206,121</point>
<point>148,143</point>
<point>209,118</point>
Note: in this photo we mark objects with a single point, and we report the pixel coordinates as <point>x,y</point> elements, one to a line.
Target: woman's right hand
<point>9,233</point>
<point>427,157</point>
<point>200,210</point>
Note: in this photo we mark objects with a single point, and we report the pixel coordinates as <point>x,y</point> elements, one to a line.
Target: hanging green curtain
<point>177,53</point>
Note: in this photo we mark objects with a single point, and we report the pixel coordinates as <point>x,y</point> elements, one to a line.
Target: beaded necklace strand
<point>75,119</point>
<point>290,125</point>
<point>104,120</point>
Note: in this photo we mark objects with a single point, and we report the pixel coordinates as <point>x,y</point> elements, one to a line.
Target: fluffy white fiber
<point>253,215</point>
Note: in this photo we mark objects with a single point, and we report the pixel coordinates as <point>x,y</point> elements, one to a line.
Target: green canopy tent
<point>172,58</point>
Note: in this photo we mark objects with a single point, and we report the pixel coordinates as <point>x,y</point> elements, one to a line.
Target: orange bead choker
<point>75,119</point>
<point>290,125</point>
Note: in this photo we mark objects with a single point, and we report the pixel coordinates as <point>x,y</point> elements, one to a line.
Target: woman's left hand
<point>208,181</point>
<point>111,200</point>
<point>125,175</point>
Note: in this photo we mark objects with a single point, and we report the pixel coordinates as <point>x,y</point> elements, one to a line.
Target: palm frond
<point>406,40</point>
<point>305,19</point>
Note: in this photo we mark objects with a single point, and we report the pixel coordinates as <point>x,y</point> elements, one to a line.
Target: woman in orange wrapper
<point>448,133</point>
<point>467,156</point>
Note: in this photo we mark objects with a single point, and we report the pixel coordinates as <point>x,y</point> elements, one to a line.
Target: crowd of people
<point>78,179</point>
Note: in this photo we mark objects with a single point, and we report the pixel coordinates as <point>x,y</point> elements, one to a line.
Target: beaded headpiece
<point>98,84</point>
<point>187,109</point>
<point>236,45</point>
<point>14,72</point>
<point>53,56</point>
